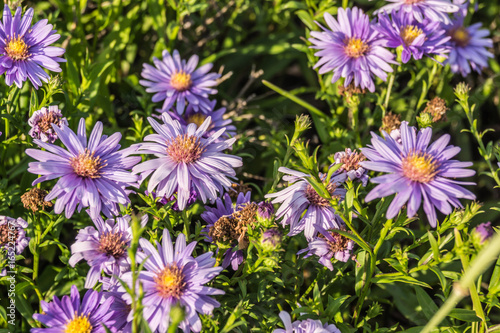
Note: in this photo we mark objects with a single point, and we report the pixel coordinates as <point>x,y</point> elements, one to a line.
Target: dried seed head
<point>34,199</point>
<point>232,228</point>
<point>390,122</point>
<point>437,109</point>
<point>238,188</point>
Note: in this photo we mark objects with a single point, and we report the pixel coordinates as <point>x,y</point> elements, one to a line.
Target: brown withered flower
<point>437,108</point>
<point>390,122</point>
<point>34,199</point>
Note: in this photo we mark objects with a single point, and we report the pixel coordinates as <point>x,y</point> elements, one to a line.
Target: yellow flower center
<point>409,33</point>
<point>460,36</point>
<point>170,282</point>
<point>78,324</point>
<point>185,149</point>
<point>420,167</point>
<point>181,81</point>
<point>197,118</point>
<point>354,47</point>
<point>16,48</point>
<point>87,165</point>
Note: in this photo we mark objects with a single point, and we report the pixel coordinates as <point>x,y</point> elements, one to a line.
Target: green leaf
<point>464,315</point>
<point>434,246</point>
<point>494,286</point>
<point>429,308</point>
<point>306,19</point>
<point>398,277</point>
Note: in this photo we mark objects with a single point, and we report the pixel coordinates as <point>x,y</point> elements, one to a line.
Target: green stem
<point>187,221</point>
<point>483,260</point>
<point>478,137</point>
<point>294,98</point>
<point>388,94</point>
<point>371,272</point>
<point>423,95</point>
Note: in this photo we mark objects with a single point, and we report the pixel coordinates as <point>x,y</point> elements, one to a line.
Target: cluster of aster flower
<point>95,173</point>
<point>354,48</point>
<point>189,164</point>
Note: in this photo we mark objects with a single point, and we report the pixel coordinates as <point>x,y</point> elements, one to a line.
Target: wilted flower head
<point>186,161</point>
<point>300,196</point>
<point>92,172</point>
<point>220,214</point>
<point>13,231</point>
<point>485,231</point>
<point>34,199</point>
<point>72,315</point>
<point>175,81</point>
<point>350,165</point>
<point>436,107</point>
<point>304,326</point>
<point>329,244</point>
<point>199,116</point>
<point>418,39</point>
<point>173,277</point>
<point>25,49</point>
<point>434,111</point>
<point>352,49</point>
<point>468,47</point>
<point>417,172</point>
<point>391,121</point>
<point>434,10</point>
<point>105,248</point>
<point>237,188</point>
<point>41,123</point>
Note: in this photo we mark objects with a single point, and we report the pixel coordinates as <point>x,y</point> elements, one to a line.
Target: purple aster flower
<point>351,49</point>
<point>13,231</point>
<point>434,10</point>
<point>104,248</point>
<point>266,210</point>
<point>92,174</point>
<point>41,123</point>
<point>186,160</point>
<point>350,165</point>
<point>25,50</point>
<point>173,277</point>
<point>417,39</point>
<point>485,231</point>
<point>271,237</point>
<point>225,208</point>
<point>175,81</point>
<point>72,315</point>
<point>199,116</point>
<point>329,244</point>
<point>119,306</point>
<point>300,196</point>
<point>165,200</point>
<point>304,326</point>
<point>468,47</point>
<point>417,172</point>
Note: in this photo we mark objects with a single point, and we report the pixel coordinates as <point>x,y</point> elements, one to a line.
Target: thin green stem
<point>483,260</point>
<point>371,272</point>
<point>473,129</point>
<point>294,98</point>
<point>389,90</point>
<point>423,95</point>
